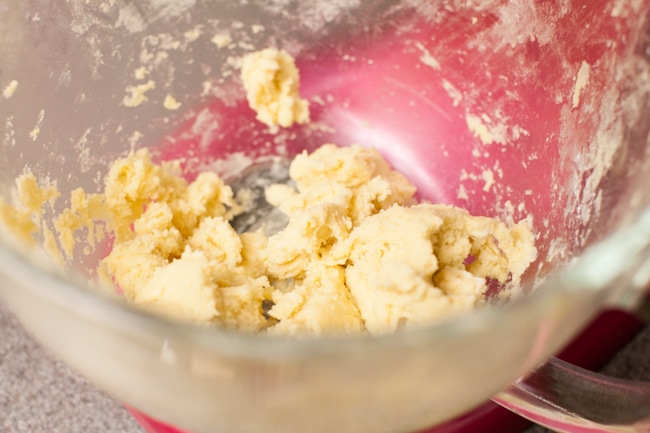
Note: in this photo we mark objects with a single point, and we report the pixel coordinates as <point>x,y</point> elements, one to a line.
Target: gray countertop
<point>40,394</point>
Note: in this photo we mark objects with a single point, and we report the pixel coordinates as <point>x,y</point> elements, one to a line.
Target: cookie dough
<point>403,263</point>
<point>358,254</point>
<point>173,249</point>
<point>272,82</point>
<point>22,223</point>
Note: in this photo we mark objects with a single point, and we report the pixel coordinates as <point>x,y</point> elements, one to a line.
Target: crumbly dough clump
<point>21,224</point>
<point>272,81</point>
<point>357,255</point>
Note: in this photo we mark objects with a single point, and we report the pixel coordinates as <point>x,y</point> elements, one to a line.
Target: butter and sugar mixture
<point>358,254</point>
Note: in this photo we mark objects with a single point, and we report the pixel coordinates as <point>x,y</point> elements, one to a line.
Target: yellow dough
<point>272,82</point>
<point>22,223</point>
<point>404,264</point>
<point>358,254</point>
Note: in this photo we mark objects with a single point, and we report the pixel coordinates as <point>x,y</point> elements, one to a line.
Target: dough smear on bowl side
<point>272,84</point>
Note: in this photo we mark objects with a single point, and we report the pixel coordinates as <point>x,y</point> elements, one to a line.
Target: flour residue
<point>10,89</point>
<point>134,20</point>
<point>488,178</point>
<point>221,40</point>
<point>427,58</point>
<point>136,95</point>
<point>519,22</point>
<point>453,92</point>
<point>10,134</point>
<point>37,129</point>
<point>489,131</point>
<point>485,129</point>
<point>141,73</point>
<point>205,126</point>
<point>193,34</point>
<point>581,82</point>
<point>83,151</point>
<point>170,103</point>
<point>314,14</point>
<point>622,8</point>
<point>130,18</point>
<point>232,165</point>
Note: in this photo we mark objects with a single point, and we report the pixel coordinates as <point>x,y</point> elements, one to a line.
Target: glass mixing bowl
<point>508,109</point>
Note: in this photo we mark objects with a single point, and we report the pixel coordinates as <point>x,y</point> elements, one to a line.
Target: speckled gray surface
<point>39,394</point>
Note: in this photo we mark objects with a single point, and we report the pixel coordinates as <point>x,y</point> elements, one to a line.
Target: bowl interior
<point>516,110</point>
<point>507,110</point>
